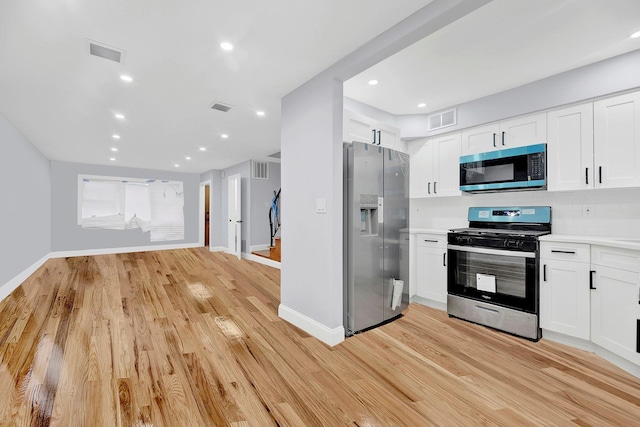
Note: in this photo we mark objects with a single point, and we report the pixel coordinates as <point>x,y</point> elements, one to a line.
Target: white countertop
<point>428,231</point>
<point>618,242</point>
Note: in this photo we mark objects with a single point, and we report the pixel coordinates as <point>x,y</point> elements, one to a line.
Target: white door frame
<point>203,185</point>
<point>234,215</point>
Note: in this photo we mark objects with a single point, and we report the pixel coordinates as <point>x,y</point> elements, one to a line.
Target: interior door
<point>235,219</point>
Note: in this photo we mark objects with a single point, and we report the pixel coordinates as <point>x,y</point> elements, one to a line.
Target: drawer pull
<point>563,252</point>
<point>431,241</point>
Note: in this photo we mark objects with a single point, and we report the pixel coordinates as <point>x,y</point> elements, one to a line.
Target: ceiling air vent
<point>107,52</point>
<point>259,170</point>
<point>220,106</point>
<point>442,119</point>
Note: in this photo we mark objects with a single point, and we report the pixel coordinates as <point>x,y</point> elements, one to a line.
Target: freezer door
<point>364,230</point>
<point>396,225</point>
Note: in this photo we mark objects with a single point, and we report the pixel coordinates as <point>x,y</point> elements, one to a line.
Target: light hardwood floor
<point>192,338</point>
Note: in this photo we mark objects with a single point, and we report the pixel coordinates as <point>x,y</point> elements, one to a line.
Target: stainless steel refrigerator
<point>376,238</point>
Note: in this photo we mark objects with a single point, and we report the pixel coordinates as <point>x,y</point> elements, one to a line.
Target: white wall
<point>25,213</point>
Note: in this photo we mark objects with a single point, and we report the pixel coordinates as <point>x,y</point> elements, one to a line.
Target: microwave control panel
<point>537,166</point>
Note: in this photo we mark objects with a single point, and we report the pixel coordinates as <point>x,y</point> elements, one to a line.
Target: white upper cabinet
<point>435,167</point>
<point>516,132</point>
<point>616,129</point>
<point>570,148</point>
<point>364,129</point>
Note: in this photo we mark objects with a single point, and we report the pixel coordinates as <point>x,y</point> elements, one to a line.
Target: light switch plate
<point>321,206</point>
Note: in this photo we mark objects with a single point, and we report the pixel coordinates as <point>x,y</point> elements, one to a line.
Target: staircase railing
<point>274,215</point>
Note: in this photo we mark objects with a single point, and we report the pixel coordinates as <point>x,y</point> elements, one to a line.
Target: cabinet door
<point>617,141</point>
<point>522,131</point>
<point>432,273</point>
<point>480,139</point>
<point>615,312</point>
<point>565,297</point>
<point>388,136</point>
<point>570,148</point>
<point>421,170</point>
<point>356,128</point>
<point>446,165</point>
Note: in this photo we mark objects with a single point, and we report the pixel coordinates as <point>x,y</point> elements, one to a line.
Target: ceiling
<point>502,45</point>
<point>63,99</point>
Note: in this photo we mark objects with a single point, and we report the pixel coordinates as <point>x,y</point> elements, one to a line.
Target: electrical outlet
<point>587,210</point>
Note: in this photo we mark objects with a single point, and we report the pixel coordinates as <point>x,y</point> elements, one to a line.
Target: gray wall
<point>67,235</point>
<point>25,216</point>
<point>261,194</point>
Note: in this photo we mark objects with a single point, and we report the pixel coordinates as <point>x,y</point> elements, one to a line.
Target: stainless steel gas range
<point>493,269</point>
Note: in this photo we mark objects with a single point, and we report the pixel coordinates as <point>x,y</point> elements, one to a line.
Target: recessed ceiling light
<point>176,165</point>
<point>203,149</point>
<point>187,157</point>
<point>224,135</point>
<point>260,113</point>
<point>226,46</point>
<point>119,116</point>
<point>113,159</point>
<point>422,105</point>
<point>635,35</point>
<point>115,136</point>
<point>114,149</point>
<point>373,82</point>
<point>126,78</point>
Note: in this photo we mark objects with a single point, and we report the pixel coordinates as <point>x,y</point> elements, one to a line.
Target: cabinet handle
<point>429,188</point>
<point>563,252</point>
<point>637,335</point>
<point>503,132</point>
<point>494,139</point>
<point>374,136</point>
<point>444,259</point>
<point>591,286</point>
<point>379,139</point>
<point>434,187</point>
<point>586,176</point>
<point>600,174</point>
<point>544,272</point>
<point>430,241</point>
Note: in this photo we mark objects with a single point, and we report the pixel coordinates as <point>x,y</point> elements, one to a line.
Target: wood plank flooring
<point>192,338</point>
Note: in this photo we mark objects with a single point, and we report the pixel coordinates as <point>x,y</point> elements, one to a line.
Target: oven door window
<point>508,280</point>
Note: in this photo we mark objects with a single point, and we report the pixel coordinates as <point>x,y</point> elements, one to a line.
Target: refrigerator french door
<point>376,211</point>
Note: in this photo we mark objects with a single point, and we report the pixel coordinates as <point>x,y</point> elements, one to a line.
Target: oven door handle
<point>489,251</point>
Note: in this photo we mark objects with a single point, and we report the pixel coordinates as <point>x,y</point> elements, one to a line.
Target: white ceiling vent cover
<point>443,119</point>
<point>104,51</point>
<point>260,170</point>
<point>220,106</point>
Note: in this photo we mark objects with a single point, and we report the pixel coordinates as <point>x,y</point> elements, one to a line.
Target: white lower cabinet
<point>432,268</point>
<point>615,302</point>
<point>564,289</point>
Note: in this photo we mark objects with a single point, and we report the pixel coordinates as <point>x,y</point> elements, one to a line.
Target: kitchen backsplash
<point>614,212</point>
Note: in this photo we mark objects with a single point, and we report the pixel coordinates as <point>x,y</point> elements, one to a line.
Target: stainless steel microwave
<point>519,168</point>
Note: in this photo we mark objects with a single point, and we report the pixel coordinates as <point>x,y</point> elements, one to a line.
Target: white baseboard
<point>429,302</point>
<point>259,248</point>
<point>108,251</point>
<point>262,260</point>
<point>218,249</point>
<point>326,335</point>
<point>12,284</point>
